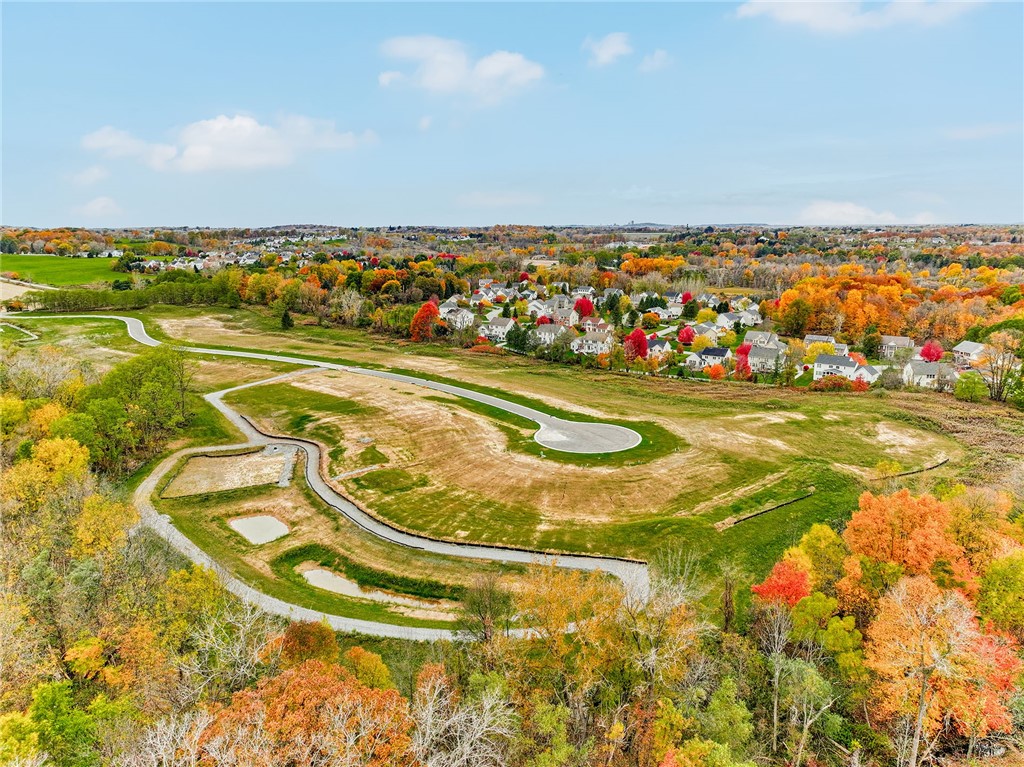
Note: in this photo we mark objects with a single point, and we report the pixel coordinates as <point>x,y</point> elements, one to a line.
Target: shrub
<point>831,383</point>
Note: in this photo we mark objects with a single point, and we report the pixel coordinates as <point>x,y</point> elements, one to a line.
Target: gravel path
<point>633,574</point>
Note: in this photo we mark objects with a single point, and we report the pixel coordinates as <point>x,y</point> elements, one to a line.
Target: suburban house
<point>546,335</point>
<point>750,317</point>
<point>766,359</point>
<point>713,355</point>
<point>892,344</point>
<point>708,299</point>
<point>726,320</point>
<point>564,317</point>
<point>842,349</point>
<point>812,339</point>
<point>968,354</point>
<point>707,329</point>
<point>763,338</point>
<point>498,328</point>
<point>593,343</point>
<point>456,316</point>
<point>836,365</point>
<point>584,290</point>
<point>595,325</point>
<point>658,347</point>
<point>928,374</point>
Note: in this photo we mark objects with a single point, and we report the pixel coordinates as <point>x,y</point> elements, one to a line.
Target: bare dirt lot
<point>211,474</point>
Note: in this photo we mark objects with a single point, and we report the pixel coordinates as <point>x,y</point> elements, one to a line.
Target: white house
<point>763,338</point>
<point>892,344</point>
<point>498,328</point>
<point>968,354</point>
<point>565,317</point>
<point>658,347</point>
<point>750,317</point>
<point>834,365</point>
<point>707,329</point>
<point>812,339</point>
<point>595,325</point>
<point>713,355</point>
<point>457,317</point>
<point>593,343</point>
<point>928,374</point>
<point>546,335</point>
<point>766,359</point>
<point>726,320</point>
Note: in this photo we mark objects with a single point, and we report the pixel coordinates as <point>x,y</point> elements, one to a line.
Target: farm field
<point>59,270</point>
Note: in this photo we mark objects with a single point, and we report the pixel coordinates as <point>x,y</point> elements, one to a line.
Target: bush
<point>831,383</point>
<point>970,387</point>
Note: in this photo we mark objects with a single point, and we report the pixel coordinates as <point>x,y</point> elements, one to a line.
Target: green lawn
<point>59,270</point>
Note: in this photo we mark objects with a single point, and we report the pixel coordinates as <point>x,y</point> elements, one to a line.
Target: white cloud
<point>843,16</point>
<point>91,175</point>
<point>444,66</point>
<point>498,200</point>
<point>99,207</point>
<point>652,62</point>
<point>608,49</point>
<point>981,131</point>
<point>228,143</point>
<point>834,213</point>
<point>425,122</point>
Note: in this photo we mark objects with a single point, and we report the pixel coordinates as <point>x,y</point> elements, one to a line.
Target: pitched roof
<point>835,360</point>
<point>968,347</point>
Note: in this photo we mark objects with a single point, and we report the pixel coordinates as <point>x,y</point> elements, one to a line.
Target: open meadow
<point>59,270</point>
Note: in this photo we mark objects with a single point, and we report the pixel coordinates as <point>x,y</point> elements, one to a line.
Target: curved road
<point>554,433</point>
<point>634,575</point>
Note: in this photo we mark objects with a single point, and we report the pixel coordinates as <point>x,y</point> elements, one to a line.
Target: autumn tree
<point>635,345</point>
<point>921,639</point>
<point>787,583</point>
<point>1000,361</point>
<point>932,351</point>
<point>715,372</point>
<point>686,334</point>
<point>308,640</point>
<point>584,307</point>
<point>422,326</point>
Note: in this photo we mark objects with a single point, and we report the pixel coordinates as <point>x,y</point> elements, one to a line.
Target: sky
<point>473,114</point>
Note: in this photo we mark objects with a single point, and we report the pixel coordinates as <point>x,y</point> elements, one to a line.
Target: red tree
<point>785,583</point>
<point>584,307</point>
<point>686,335</point>
<point>635,345</point>
<point>686,298</point>
<point>422,326</point>
<point>742,371</point>
<point>543,320</point>
<point>932,351</point>
<point>743,350</point>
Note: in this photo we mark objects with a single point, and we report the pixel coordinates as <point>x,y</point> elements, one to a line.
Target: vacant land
<point>209,474</point>
<point>451,469</point>
<point>319,536</point>
<point>60,270</point>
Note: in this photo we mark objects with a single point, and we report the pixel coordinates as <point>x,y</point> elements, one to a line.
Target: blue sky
<point>253,114</point>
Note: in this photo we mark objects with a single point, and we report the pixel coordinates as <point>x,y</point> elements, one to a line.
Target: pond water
<point>261,529</point>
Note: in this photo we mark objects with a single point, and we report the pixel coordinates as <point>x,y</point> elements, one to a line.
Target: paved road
<point>633,574</point>
<point>554,433</point>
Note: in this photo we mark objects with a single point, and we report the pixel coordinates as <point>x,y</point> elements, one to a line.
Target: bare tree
<point>475,733</point>
<point>999,361</point>
<point>774,628</point>
<point>171,742</point>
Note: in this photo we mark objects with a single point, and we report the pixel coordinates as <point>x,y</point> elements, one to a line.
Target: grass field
<point>60,270</point>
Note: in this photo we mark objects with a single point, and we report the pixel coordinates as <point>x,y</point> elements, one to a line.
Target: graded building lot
<point>211,474</point>
<point>328,580</point>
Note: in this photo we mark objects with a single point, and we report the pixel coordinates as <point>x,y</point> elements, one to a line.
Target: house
<point>762,338</point>
<point>834,365</point>
<point>713,355</point>
<point>593,343</point>
<point>892,344</point>
<point>658,347</point>
<point>929,375</point>
<point>707,329</point>
<point>457,316</point>
<point>537,308</point>
<point>766,359</point>
<point>498,328</point>
<point>595,325</point>
<point>968,354</point>
<point>564,317</point>
<point>842,350</point>
<point>727,320</point>
<point>584,290</point>
<point>750,317</point>
<point>708,299</point>
<point>545,335</point>
<point>867,373</point>
<point>812,339</point>
<point>672,296</point>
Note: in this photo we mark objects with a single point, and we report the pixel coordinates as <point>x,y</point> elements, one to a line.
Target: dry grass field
<point>210,474</point>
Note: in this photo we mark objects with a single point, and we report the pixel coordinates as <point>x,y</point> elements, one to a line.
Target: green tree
<point>66,733</point>
<point>970,387</point>
<point>1001,588</point>
<point>726,719</point>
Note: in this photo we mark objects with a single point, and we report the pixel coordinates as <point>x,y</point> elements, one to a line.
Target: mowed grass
<point>60,270</point>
